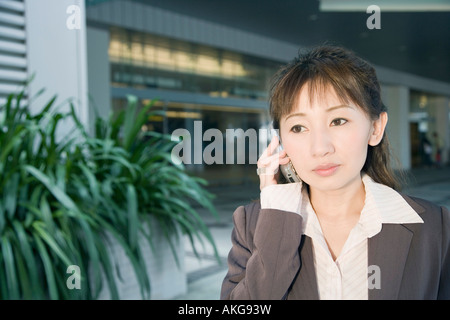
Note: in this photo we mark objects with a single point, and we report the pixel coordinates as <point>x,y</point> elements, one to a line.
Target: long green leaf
<point>2,217</point>
<point>44,235</point>
<point>10,194</point>
<point>108,269</point>
<point>16,140</point>
<point>92,181</point>
<point>46,214</point>
<point>133,219</point>
<point>11,277</point>
<point>53,188</point>
<point>22,275</point>
<point>48,268</point>
<point>28,255</point>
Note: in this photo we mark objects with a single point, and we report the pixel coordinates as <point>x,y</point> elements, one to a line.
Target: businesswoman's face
<point>327,140</point>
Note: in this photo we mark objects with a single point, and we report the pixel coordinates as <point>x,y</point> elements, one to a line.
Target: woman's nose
<point>321,143</point>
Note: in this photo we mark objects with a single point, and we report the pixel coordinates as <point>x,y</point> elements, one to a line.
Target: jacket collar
<point>382,205</point>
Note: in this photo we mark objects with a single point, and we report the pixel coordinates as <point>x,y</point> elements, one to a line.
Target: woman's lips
<point>326,169</point>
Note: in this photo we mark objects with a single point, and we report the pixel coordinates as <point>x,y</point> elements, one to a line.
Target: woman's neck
<point>338,211</point>
<point>338,206</point>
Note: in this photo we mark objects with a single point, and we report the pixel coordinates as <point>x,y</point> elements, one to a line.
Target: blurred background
<point>212,61</point>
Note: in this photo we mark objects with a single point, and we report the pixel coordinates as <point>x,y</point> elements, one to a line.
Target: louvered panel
<point>12,47</point>
<point>12,33</point>
<point>6,89</point>
<point>12,18</point>
<point>13,75</point>
<point>13,60</point>
<point>12,5</point>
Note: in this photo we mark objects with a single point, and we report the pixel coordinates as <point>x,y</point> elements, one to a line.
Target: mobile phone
<point>287,170</point>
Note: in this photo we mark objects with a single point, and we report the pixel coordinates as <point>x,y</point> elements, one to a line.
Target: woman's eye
<point>338,122</point>
<point>297,128</point>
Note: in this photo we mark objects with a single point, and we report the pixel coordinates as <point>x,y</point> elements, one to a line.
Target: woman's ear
<point>378,129</point>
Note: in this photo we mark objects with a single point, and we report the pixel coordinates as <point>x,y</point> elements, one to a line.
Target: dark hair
<point>353,79</point>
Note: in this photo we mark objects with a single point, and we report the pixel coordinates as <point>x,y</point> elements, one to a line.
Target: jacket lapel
<point>305,285</point>
<point>389,250</point>
<point>387,253</point>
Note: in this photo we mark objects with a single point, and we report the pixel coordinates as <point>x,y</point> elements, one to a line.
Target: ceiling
<point>413,42</point>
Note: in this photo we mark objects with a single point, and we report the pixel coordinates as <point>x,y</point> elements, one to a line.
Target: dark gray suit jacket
<point>271,259</point>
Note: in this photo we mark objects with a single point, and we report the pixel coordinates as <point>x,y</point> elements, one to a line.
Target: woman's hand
<point>269,162</point>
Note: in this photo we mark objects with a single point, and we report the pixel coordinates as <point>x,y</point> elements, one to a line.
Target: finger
<point>268,171</point>
<point>272,160</point>
<point>273,167</point>
<point>271,147</point>
<point>282,154</point>
<point>269,166</point>
<point>283,157</point>
<point>265,162</point>
<point>284,161</point>
<point>273,144</point>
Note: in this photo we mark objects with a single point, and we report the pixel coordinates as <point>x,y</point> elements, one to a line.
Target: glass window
<point>145,60</point>
<point>231,160</point>
<point>428,120</point>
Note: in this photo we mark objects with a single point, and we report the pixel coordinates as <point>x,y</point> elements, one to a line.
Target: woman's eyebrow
<point>339,107</point>
<point>301,114</point>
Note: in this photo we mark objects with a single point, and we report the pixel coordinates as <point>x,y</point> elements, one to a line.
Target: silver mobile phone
<point>287,170</point>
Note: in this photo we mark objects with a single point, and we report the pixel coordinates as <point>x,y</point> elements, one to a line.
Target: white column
<point>439,108</point>
<point>396,98</point>
<point>56,53</point>
<point>98,73</point>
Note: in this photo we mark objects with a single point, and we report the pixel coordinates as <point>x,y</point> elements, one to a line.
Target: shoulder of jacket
<point>421,205</point>
<point>247,215</point>
<point>253,206</point>
<point>429,211</point>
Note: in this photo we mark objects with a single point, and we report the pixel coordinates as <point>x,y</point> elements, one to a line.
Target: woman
<point>343,232</point>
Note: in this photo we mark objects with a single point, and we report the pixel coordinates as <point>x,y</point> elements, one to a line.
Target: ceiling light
<point>385,5</point>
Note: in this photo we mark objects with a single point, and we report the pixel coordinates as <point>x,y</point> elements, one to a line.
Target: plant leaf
<point>133,219</point>
<point>11,277</point>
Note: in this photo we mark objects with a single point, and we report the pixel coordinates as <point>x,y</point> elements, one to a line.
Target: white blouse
<point>347,276</point>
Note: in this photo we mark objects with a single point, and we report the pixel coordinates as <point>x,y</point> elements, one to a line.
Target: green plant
<point>163,190</point>
<point>60,198</point>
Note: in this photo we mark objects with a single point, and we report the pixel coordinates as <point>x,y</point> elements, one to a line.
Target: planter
<point>167,279</point>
